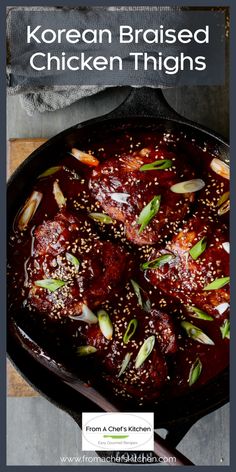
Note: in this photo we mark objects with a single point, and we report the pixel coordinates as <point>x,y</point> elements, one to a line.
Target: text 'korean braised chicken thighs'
<point>119,265</point>
<point>131,186</point>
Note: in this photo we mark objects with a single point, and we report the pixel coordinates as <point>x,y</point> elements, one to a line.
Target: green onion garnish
<point>159,262</point>
<point>29,209</point>
<point>50,171</point>
<point>198,248</point>
<point>137,291</point>
<point>125,363</point>
<point>223,199</point>
<point>145,304</point>
<point>195,372</point>
<point>144,351</point>
<point>148,212</point>
<point>196,333</point>
<point>72,259</point>
<point>188,186</point>
<point>217,283</point>
<point>101,218</point>
<point>225,329</point>
<point>161,164</point>
<point>132,326</point>
<point>86,350</point>
<point>105,324</point>
<point>224,208</point>
<point>200,314</point>
<point>59,197</point>
<point>226,246</point>
<point>86,315</point>
<point>50,284</point>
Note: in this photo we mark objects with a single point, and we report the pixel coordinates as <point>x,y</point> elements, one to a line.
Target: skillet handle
<point>145,101</point>
<point>162,448</point>
<point>176,433</point>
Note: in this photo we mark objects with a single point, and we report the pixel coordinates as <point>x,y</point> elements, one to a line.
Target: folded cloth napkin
<point>51,100</point>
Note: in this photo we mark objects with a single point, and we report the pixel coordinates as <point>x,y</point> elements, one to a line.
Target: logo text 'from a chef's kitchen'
<point>117,431</point>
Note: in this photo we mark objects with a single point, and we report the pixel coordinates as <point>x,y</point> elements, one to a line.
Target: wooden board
<point>18,150</point>
<point>16,385</point>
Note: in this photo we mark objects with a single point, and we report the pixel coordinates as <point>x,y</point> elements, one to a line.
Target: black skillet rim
<point>222,379</point>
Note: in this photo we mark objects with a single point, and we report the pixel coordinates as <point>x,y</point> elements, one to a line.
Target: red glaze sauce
<point>111,254</point>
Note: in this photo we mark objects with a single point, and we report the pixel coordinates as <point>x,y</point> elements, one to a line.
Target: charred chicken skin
<point>70,266</point>
<point>188,279</point>
<point>123,189</point>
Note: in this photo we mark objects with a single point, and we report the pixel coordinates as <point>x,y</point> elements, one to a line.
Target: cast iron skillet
<point>144,108</point>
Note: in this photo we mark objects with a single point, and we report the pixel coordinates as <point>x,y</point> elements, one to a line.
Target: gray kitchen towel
<point>46,99</point>
<point>41,99</point>
<point>51,100</point>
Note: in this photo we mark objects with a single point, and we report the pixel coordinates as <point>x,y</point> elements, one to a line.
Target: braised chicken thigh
<point>70,267</point>
<point>152,374</point>
<point>188,276</point>
<point>125,185</point>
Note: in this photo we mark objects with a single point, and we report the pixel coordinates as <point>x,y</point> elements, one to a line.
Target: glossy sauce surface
<point>60,336</point>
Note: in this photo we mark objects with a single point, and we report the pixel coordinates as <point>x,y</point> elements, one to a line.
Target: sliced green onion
<point>222,307</point>
<point>200,314</point>
<point>84,157</point>
<point>50,284</point>
<point>145,304</point>
<point>188,186</point>
<point>86,315</point>
<point>148,212</point>
<point>220,167</point>
<point>196,333</point>
<point>105,324</point>
<point>144,351</point>
<point>137,291</point>
<point>132,326</point>
<point>101,218</point>
<point>29,209</point>
<point>50,171</point>
<point>86,350</point>
<point>226,247</point>
<point>161,164</point>
<point>225,329</point>
<point>125,363</point>
<point>198,248</point>
<point>159,262</point>
<point>59,197</point>
<point>223,199</point>
<point>195,372</point>
<point>72,259</point>
<point>217,283</point>
<point>224,208</point>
